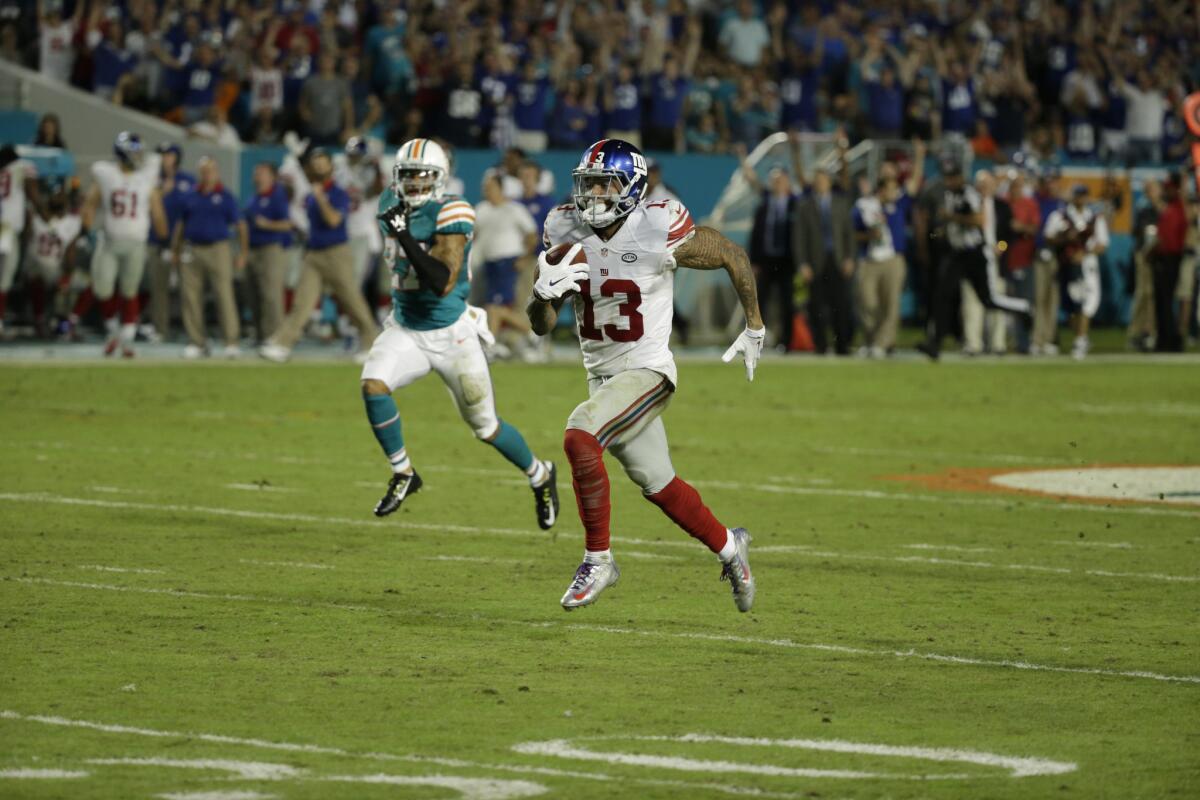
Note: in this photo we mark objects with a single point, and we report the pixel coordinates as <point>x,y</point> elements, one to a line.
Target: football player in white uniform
<point>356,170</point>
<point>623,306</point>
<point>52,243</point>
<point>1079,237</point>
<point>18,187</point>
<point>127,195</point>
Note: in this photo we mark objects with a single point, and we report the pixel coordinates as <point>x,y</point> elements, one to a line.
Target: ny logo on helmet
<point>639,164</point>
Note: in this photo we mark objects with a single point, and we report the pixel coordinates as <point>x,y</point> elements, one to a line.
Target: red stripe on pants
<point>682,503</point>
<point>590,480</point>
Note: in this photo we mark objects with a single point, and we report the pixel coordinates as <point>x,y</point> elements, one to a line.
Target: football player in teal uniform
<point>427,246</point>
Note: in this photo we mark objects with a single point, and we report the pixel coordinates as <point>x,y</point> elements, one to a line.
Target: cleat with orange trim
<point>737,571</point>
<point>589,581</point>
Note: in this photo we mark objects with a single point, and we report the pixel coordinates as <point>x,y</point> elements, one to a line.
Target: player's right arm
<point>543,314</point>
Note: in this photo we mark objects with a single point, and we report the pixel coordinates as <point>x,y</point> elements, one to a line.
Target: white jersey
<point>1063,219</point>
<point>50,241</point>
<point>623,313</point>
<point>292,175</point>
<point>55,51</point>
<point>12,193</point>
<point>125,198</point>
<point>266,90</point>
<point>359,182</point>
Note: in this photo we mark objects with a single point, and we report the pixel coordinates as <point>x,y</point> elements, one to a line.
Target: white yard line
<point>769,487</point>
<point>949,548</point>
<point>1085,543</point>
<point>25,773</point>
<point>115,490</point>
<point>802,550</point>
<point>220,794</point>
<point>248,770</point>
<point>1008,458</point>
<point>137,570</point>
<point>638,555</point>
<point>1018,767</point>
<point>295,564</point>
<point>259,487</point>
<point>786,644</point>
<point>1010,501</point>
<point>293,747</point>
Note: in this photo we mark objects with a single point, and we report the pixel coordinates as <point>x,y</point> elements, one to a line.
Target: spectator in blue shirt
<point>531,97</point>
<point>207,213</point>
<point>202,75</point>
<point>112,64</point>
<point>266,235</point>
<point>536,203</point>
<point>798,85</point>
<point>570,129</point>
<point>623,107</point>
<point>668,89</point>
<point>464,109</point>
<point>495,83</point>
<point>886,105</point>
<point>175,184</point>
<point>327,261</point>
<point>958,101</point>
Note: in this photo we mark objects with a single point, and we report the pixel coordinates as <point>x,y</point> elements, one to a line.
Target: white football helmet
<point>420,172</point>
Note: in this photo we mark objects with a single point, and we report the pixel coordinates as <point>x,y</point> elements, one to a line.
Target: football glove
<point>395,219</point>
<point>557,280</point>
<point>750,344</point>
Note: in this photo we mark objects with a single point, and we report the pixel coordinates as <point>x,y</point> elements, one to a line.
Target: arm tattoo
<point>543,314</point>
<point>449,249</point>
<point>708,249</point>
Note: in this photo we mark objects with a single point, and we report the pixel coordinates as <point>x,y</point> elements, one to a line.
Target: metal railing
<point>90,123</point>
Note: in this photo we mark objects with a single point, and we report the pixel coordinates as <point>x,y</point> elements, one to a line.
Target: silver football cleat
<point>737,571</point>
<point>589,581</point>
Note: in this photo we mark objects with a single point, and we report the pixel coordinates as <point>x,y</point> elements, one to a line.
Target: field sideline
<point>198,604</point>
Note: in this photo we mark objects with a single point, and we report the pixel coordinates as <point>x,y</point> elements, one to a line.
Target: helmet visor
<point>416,182</point>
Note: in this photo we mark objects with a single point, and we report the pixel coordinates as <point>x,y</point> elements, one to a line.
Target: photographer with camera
<point>965,227</point>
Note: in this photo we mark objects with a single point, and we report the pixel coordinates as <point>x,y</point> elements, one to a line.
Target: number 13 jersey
<point>623,311</point>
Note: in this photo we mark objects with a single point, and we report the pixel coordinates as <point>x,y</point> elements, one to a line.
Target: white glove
<point>556,280</point>
<point>749,343</point>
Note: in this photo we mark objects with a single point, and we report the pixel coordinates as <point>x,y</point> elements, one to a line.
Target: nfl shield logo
<point>603,252</point>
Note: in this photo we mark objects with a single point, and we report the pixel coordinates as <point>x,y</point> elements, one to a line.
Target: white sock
<point>128,333</point>
<point>597,556</point>
<point>399,461</point>
<point>111,326</point>
<point>730,549</point>
<point>538,472</point>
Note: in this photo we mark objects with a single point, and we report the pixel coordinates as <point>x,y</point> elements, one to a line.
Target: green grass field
<point>197,602</point>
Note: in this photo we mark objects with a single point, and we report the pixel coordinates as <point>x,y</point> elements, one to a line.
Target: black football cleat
<point>930,349</point>
<point>399,488</point>
<point>546,497</point>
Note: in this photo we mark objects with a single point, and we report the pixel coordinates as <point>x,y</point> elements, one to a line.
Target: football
<point>556,254</point>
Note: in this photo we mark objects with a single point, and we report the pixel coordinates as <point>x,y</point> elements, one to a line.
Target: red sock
<point>288,296</point>
<point>590,480</point>
<point>37,295</point>
<point>130,310</point>
<point>84,302</point>
<point>3,304</point>
<point>679,501</point>
<point>108,308</point>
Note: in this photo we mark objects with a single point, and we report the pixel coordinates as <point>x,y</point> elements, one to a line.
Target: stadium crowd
<point>992,258</point>
<point>1088,79</point>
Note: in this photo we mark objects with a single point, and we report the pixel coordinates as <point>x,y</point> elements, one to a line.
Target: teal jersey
<point>414,307</point>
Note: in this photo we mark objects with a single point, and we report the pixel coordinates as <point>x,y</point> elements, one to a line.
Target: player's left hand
<point>750,344</point>
<point>395,219</point>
